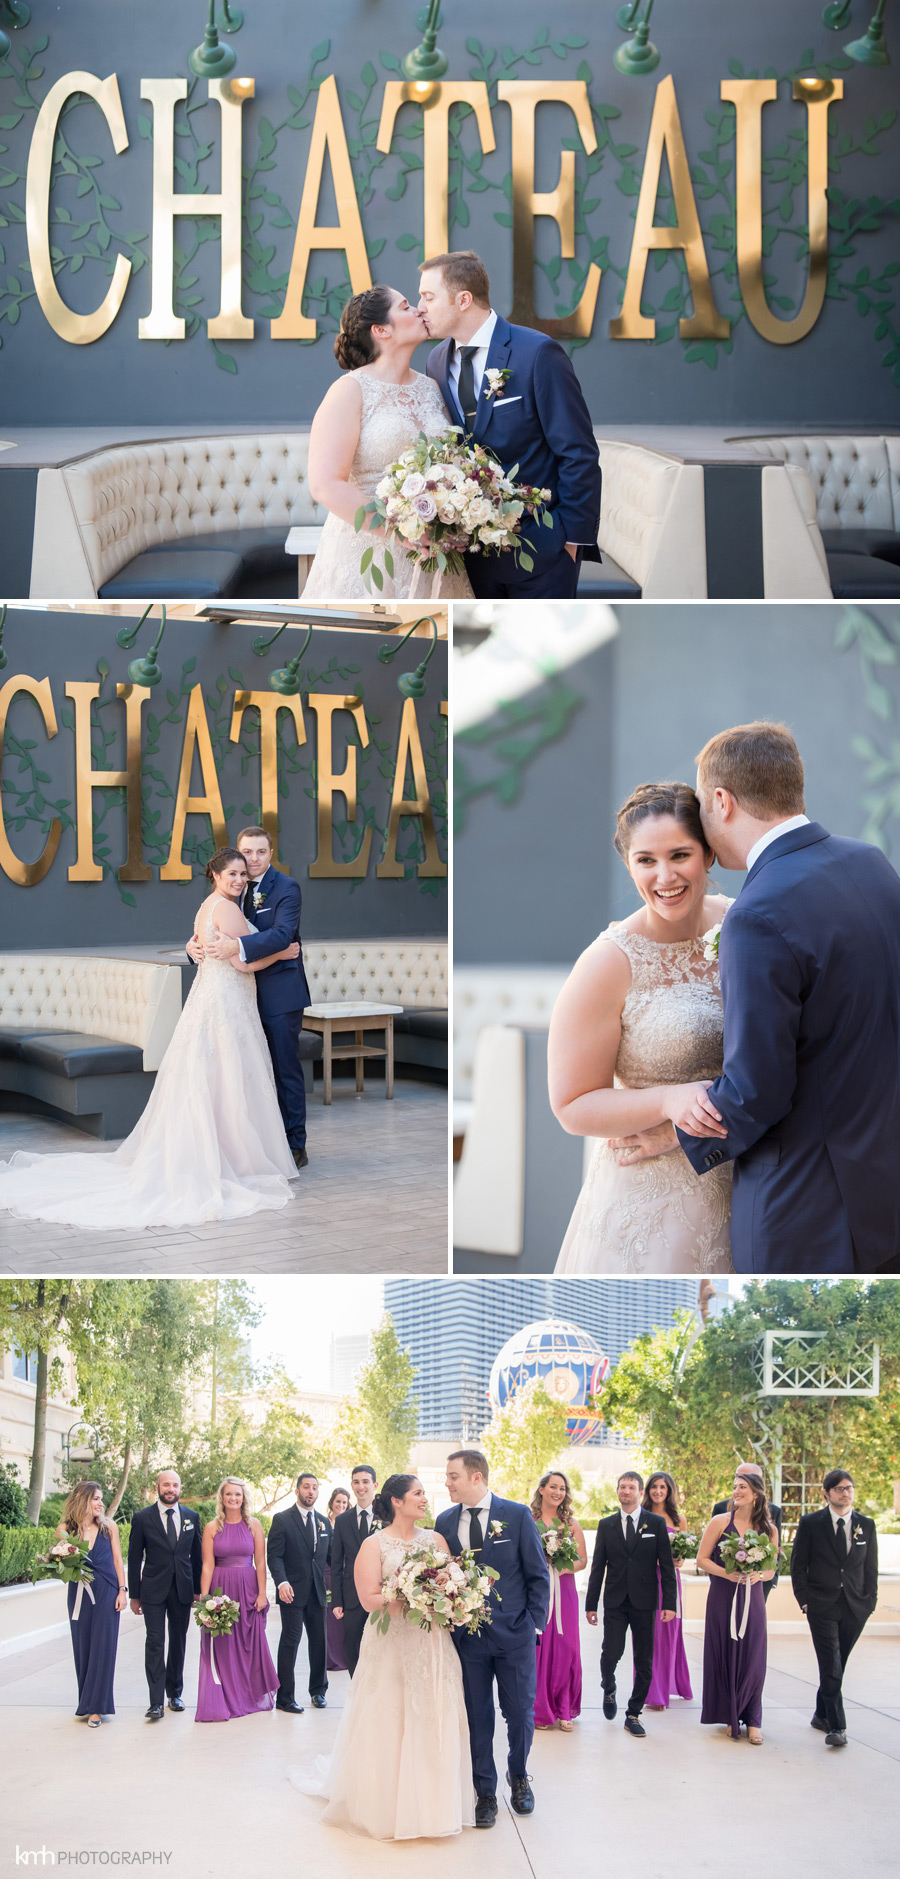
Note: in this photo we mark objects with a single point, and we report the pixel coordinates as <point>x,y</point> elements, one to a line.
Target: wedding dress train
<point>210,1144</point>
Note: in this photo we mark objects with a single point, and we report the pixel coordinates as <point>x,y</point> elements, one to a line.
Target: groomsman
<point>628,1548</point>
<point>752,1471</point>
<point>165,1561</point>
<point>298,1553</point>
<point>350,1529</point>
<point>834,1573</point>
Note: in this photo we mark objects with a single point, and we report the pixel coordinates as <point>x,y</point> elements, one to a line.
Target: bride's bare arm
<point>367,1575</point>
<point>259,965</point>
<point>333,440</point>
<point>585,1034</point>
<point>228,918</point>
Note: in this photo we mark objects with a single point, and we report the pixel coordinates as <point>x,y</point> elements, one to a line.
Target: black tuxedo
<point>346,1541</point>
<point>838,1593</point>
<point>722,1507</point>
<point>300,1557</point>
<point>166,1579</point>
<point>631,1595</point>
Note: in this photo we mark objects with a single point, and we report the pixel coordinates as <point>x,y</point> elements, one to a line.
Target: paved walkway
<point>683,1802</point>
<point>373,1199</point>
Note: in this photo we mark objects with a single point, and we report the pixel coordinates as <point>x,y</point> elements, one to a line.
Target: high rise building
<point>453,1329</point>
<point>349,1351</point>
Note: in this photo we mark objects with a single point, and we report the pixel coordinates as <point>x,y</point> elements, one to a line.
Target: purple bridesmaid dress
<point>243,1662</point>
<point>734,1670</point>
<point>670,1665</point>
<point>336,1654</point>
<point>558,1697</point>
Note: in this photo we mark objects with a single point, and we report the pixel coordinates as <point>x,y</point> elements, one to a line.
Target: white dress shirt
<point>163,1514</point>
<point>366,1514</point>
<point>634,1516</point>
<point>847,1519</point>
<point>483,1507</point>
<point>481,340</point>
<point>771,835</point>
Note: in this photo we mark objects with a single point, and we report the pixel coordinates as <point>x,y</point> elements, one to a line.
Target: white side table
<point>304,543</point>
<point>359,1018</point>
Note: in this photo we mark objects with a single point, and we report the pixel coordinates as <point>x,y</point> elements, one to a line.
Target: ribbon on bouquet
<point>555,1611</point>
<point>212,1661</point>
<point>738,1631</point>
<point>79,1596</point>
<point>435,593</point>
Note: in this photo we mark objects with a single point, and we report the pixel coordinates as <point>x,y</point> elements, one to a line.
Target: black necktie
<point>248,908</point>
<point>309,1532</point>
<point>476,1537</point>
<point>363,1524</point>
<point>171,1534</point>
<point>629,1534</point>
<point>465,391</point>
<point>842,1539</point>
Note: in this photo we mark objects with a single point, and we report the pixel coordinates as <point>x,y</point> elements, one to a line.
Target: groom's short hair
<point>256,835</point>
<point>463,272</point>
<point>472,1460</point>
<point>759,764</point>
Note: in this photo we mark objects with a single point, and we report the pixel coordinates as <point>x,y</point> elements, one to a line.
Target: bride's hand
<point>291,951</point>
<point>630,1149</point>
<point>688,1107</point>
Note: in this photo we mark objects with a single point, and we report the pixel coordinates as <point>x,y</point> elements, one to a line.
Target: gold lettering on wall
<point>161,322</point>
<point>409,749</point>
<point>748,95</point>
<point>84,868</point>
<point>667,139</point>
<point>523,98</point>
<point>78,328</point>
<point>196,737</point>
<point>328,137</point>
<point>333,782</point>
<point>28,873</point>
<point>436,145</point>
<point>268,704</point>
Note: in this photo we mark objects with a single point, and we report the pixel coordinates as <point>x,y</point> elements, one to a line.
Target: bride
<point>210,1144</point>
<point>640,1016</point>
<point>401,1768</point>
<point>364,423</point>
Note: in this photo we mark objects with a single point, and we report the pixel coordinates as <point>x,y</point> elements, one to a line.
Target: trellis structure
<point>800,1363</point>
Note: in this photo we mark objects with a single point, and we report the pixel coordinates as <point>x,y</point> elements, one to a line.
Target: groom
<point>501,1534</point>
<point>808,1103</point>
<point>272,904</point>
<point>514,390</point>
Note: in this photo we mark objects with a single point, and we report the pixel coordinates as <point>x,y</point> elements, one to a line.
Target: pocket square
<point>499,1542</point>
<point>498,403</point>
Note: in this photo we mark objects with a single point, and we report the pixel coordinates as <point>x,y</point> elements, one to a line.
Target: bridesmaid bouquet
<point>755,1552</point>
<point>66,1561</point>
<point>560,1548</point>
<point>217,1613</point>
<point>444,498</point>
<point>684,1545</point>
<point>436,1590</point>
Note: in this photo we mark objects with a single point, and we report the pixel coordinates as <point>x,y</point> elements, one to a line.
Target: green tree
<point>379,1422</point>
<point>231,1313</point>
<point>524,1438</point>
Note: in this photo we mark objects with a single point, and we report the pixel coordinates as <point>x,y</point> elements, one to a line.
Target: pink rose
<point>425,507</point>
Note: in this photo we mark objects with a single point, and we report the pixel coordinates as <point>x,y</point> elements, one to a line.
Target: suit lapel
<point>498,355</point>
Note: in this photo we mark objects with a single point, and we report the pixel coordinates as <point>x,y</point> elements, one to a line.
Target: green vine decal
<point>877,648</point>
<point>511,739</point>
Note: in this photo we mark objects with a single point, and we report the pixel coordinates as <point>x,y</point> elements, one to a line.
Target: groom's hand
<point>222,947</point>
<point>689,1107</point>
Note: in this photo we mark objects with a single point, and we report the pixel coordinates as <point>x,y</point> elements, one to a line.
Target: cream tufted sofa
<point>411,973</point>
<point>652,521</point>
<point>183,514</point>
<point>84,1037</point>
<point>849,490</point>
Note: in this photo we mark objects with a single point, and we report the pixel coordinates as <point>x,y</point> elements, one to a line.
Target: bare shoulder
<point>344,396</point>
<point>600,976</point>
<point>228,917</point>
<point>439,1541</point>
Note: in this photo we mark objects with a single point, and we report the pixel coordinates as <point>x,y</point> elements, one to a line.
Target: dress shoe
<point>318,1701</point>
<point>836,1739</point>
<point>610,1706</point>
<point>301,1158</point>
<point>818,1722</point>
<point>521,1797</point>
<point>291,1708</point>
<point>176,1702</point>
<point>485,1810</point>
<point>634,1725</point>
<point>155,1713</point>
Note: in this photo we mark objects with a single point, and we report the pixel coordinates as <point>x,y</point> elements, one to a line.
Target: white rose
<point>413,484</point>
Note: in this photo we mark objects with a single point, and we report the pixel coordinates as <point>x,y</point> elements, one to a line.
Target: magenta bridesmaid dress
<point>670,1665</point>
<point>558,1696</point>
<point>243,1662</point>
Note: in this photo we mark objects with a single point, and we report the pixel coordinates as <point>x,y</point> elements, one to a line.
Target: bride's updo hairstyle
<point>396,1487</point>
<point>658,799</point>
<point>354,345</point>
<point>221,860</point>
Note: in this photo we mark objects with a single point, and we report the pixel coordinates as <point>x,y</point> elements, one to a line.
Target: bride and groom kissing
<point>508,388</point>
<point>739,1062</point>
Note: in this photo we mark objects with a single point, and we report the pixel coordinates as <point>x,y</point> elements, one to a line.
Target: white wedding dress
<point>392,418</point>
<point>210,1144</point>
<point>401,1767</point>
<point>658,1215</point>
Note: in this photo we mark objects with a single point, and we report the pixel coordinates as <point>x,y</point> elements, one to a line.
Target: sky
<point>300,1321</point>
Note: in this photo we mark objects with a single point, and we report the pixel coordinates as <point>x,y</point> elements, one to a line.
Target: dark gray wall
<point>836,375</point>
<point>57,910</point>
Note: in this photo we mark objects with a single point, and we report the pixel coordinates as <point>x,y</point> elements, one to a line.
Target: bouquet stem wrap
<point>79,1595</point>
<point>556,1598</point>
<point>212,1660</point>
<point>739,1631</point>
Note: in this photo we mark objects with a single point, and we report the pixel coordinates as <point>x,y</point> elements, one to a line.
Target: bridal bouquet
<point>444,498</point>
<point>437,1590</point>
<point>66,1561</point>
<point>755,1552</point>
<point>684,1545</point>
<point>560,1548</point>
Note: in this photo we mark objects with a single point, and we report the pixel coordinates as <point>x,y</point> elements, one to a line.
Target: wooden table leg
<point>326,1058</point>
<point>389,1062</point>
<point>360,1065</point>
<point>304,563</point>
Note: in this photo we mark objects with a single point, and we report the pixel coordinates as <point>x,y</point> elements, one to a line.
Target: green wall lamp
<point>4,655</point>
<point>412,684</point>
<point>872,49</point>
<point>837,16</point>
<point>5,44</point>
<point>261,646</point>
<point>638,55</point>
<point>142,671</point>
<point>426,62</point>
<point>286,679</point>
<point>14,13</point>
<point>627,15</point>
<point>215,58</point>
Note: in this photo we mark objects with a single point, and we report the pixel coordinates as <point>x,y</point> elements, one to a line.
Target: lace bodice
<point>672,1017</point>
<point>394,1550</point>
<point>392,417</point>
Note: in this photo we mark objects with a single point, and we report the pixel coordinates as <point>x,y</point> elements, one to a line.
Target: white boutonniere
<point>259,898</point>
<point>711,942</point>
<point>497,378</point>
<point>496,1528</point>
<point>187,1526</point>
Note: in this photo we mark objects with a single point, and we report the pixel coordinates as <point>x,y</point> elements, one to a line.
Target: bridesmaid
<point>94,1610</point>
<point>670,1666</point>
<point>558,1699</point>
<point>734,1669</point>
<point>336,1657</point>
<point>234,1560</point>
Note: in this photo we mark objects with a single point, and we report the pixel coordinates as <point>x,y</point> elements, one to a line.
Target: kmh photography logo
<point>44,1856</point>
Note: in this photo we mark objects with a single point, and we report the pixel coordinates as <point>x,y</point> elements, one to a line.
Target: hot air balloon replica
<point>567,1361</point>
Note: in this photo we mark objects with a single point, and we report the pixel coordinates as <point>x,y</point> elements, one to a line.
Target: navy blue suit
<point>282,993</point>
<point>505,1649</point>
<point>542,424</point>
<point>810,1090</point>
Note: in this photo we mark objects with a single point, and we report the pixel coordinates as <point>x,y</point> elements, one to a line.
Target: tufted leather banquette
<point>855,481</point>
<point>411,973</point>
